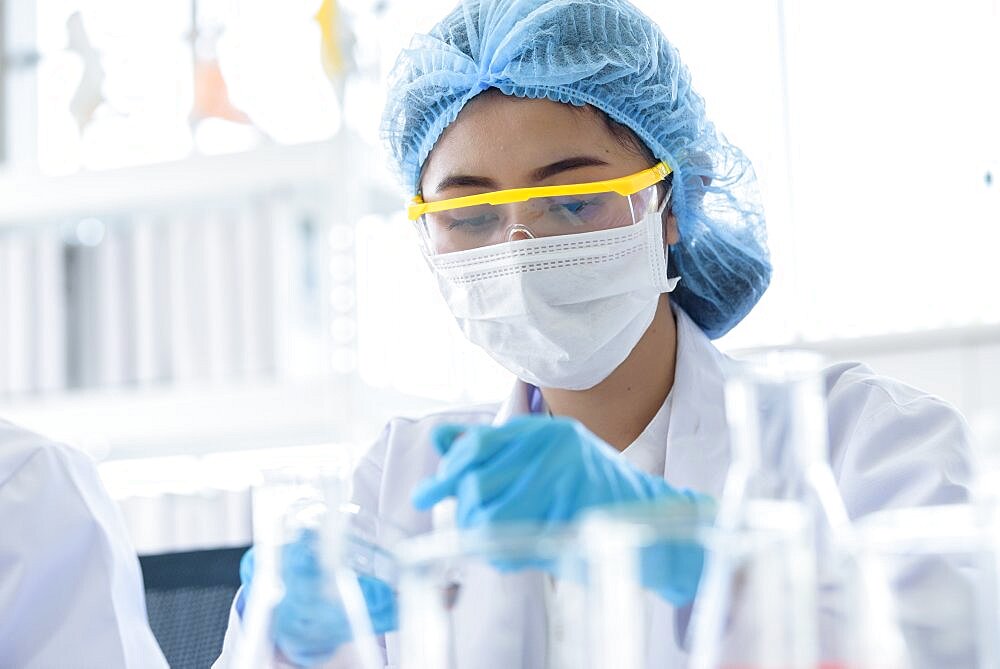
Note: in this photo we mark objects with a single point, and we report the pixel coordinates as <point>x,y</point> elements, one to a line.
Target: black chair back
<point>188,597</point>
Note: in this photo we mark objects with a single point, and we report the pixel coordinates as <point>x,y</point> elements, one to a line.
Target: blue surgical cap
<point>607,54</point>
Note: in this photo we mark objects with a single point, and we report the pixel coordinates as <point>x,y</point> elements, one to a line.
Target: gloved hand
<point>672,569</point>
<point>548,471</point>
<point>309,627</point>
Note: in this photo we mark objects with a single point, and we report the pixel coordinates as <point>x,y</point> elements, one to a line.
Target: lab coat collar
<point>697,437</point>
<point>516,404</point>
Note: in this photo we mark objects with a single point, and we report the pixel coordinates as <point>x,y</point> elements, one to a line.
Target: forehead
<point>506,138</point>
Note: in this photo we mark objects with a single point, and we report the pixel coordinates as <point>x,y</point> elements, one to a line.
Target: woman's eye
<point>472,223</point>
<point>576,207</point>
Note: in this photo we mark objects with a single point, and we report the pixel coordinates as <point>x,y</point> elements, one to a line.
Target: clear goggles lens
<point>465,228</point>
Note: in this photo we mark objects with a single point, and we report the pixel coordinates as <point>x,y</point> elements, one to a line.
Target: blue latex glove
<point>672,569</point>
<point>308,627</point>
<point>547,471</point>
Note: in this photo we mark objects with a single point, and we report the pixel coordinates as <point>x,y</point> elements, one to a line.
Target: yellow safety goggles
<point>625,186</point>
<point>479,220</point>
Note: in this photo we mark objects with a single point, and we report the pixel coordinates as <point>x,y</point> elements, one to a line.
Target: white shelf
<point>29,198</point>
<point>202,419</point>
<point>920,341</point>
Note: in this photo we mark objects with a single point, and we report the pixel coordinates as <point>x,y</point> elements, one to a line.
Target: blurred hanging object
<point>88,96</point>
<point>336,45</point>
<point>211,95</point>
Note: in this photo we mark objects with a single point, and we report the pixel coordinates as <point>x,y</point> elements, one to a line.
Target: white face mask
<point>562,311</point>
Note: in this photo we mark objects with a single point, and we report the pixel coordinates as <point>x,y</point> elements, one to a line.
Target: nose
<point>520,215</point>
<point>517,232</point>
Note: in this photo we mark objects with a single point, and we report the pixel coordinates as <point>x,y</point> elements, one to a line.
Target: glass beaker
<point>494,597</point>
<point>938,570</point>
<point>644,564</point>
<point>757,604</point>
<point>340,542</point>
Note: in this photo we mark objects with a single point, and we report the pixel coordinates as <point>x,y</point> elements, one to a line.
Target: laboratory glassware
<point>634,623</point>
<point>507,596</point>
<point>936,571</point>
<point>350,541</point>
<point>777,415</point>
<point>765,616</point>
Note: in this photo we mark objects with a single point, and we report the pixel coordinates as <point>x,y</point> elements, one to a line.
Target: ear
<point>670,233</point>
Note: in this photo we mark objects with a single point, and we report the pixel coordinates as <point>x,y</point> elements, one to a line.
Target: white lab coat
<point>71,590</point>
<point>890,446</point>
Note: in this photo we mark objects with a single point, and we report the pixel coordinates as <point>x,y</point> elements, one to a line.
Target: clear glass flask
<point>937,568</point>
<point>765,615</point>
<point>493,598</point>
<point>287,504</point>
<point>630,552</point>
<point>633,623</point>
<point>776,410</point>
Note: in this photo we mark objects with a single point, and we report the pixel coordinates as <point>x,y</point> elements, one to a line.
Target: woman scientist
<point>593,232</point>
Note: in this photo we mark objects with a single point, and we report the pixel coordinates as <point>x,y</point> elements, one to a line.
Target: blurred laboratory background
<point>205,267</point>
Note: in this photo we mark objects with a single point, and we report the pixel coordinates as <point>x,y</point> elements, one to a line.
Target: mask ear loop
<point>668,284</point>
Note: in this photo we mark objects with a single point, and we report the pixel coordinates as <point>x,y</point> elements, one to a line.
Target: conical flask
<point>307,509</point>
<point>776,410</point>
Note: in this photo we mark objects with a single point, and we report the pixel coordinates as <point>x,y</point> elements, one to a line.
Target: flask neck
<point>777,428</point>
<point>780,448</point>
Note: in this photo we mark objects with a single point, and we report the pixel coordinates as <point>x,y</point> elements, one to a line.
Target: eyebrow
<point>541,174</point>
<point>574,163</point>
